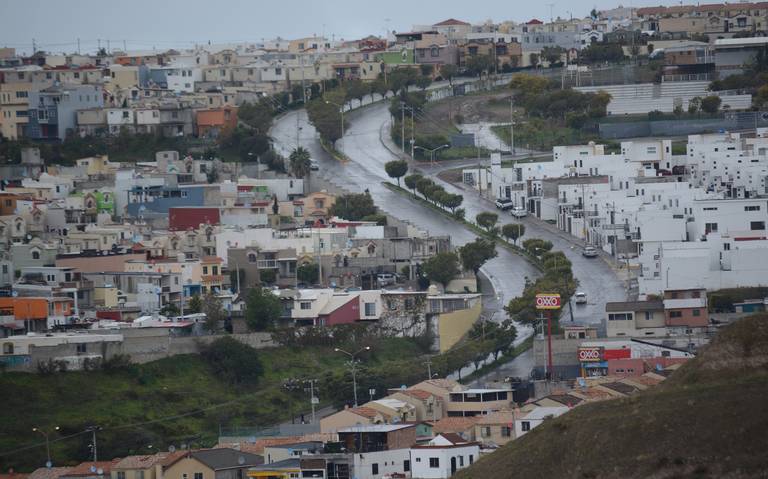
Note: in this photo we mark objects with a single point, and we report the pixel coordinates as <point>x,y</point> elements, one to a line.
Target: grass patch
<point>543,136</point>
<point>487,368</point>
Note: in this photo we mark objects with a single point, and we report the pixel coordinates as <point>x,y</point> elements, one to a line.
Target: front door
<point>453,465</point>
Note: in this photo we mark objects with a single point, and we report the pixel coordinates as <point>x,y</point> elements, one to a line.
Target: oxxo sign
<point>590,355</point>
<point>548,301</point>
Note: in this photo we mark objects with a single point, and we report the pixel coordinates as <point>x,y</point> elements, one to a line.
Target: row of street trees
<point>435,194</point>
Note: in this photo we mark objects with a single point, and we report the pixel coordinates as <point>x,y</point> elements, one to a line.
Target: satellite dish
<point>93,468</point>
<point>48,464</point>
<point>100,471</point>
<point>171,448</point>
<point>241,460</point>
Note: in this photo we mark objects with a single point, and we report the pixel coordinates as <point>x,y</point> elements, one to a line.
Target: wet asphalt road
<point>363,145</point>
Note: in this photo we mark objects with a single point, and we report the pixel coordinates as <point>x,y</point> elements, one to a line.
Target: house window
<point>435,52</point>
<point>675,314</point>
<point>35,254</point>
<point>461,461</point>
<point>752,208</point>
<point>120,474</point>
<point>139,474</point>
<point>198,475</point>
<point>375,469</point>
<point>525,426</point>
<point>7,348</point>
<point>205,269</point>
<point>648,315</point>
<point>305,305</point>
<point>710,228</point>
<point>251,257</point>
<point>696,312</point>
<point>506,431</point>
<point>757,225</point>
<point>370,309</point>
<point>486,431</point>
<point>82,348</point>
<point>434,462</point>
<point>406,465</point>
<point>471,458</point>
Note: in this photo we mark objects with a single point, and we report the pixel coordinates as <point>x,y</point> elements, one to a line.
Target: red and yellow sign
<point>548,301</point>
<point>592,354</point>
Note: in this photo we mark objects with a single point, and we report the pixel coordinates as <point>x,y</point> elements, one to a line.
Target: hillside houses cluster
<point>691,220</point>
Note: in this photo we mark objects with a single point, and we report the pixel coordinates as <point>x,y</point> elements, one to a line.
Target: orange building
<point>213,121</point>
<point>8,202</point>
<point>26,315</point>
<point>213,274</point>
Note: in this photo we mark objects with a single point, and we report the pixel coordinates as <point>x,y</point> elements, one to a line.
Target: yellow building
<point>221,463</point>
<point>14,103</point>
<point>455,313</point>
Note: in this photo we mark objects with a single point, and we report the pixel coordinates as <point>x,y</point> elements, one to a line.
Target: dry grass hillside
<point>709,419</point>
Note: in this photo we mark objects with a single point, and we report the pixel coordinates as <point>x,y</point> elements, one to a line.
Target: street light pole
<point>47,443</point>
<point>352,363</point>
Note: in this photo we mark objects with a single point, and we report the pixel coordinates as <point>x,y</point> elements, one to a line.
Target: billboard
<point>591,354</point>
<point>548,301</point>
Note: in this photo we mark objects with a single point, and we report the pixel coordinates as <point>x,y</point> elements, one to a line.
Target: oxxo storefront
<point>594,359</point>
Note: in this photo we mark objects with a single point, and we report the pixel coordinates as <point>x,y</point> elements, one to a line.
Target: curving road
<point>363,144</point>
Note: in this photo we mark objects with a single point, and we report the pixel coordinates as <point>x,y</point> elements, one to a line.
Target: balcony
<point>266,264</point>
<point>213,279</point>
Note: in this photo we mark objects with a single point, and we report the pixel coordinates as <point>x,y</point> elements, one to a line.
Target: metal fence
<point>731,121</point>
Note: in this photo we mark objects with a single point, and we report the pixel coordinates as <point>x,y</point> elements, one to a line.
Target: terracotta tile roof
<point>454,424</point>
<point>13,475</point>
<point>454,438</point>
<point>257,447</point>
<point>450,21</point>
<point>45,473</point>
<point>417,393</point>
<point>85,468</point>
<point>498,417</point>
<point>141,462</point>
<point>565,399</point>
<point>368,412</point>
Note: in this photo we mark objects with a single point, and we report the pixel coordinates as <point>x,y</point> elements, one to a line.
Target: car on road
<point>385,279</point>
<point>314,165</point>
<point>504,204</point>
<point>589,252</point>
<point>519,212</point>
<point>580,297</point>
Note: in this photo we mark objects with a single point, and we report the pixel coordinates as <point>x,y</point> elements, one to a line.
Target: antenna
<point>550,5</point>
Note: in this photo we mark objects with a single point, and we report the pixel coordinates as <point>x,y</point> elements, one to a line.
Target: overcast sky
<point>145,24</point>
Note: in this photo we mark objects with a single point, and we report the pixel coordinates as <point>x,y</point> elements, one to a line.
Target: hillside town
<point>382,257</point>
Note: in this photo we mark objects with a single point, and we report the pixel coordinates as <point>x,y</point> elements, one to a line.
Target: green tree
<point>195,305</point>
<point>552,54</point>
<point>308,273</point>
<point>356,90</point>
<point>170,310</point>
<point>513,231</point>
<point>234,361</point>
<point>449,72</point>
<point>396,169</point>
<point>534,59</point>
<point>426,69</point>
<point>442,268</point>
<point>537,246</point>
<point>487,220</point>
<point>300,162</point>
<point>214,312</point>
<point>479,64</point>
<point>353,206</point>
<point>711,104</point>
<point>453,201</point>
<point>694,104</point>
<point>262,309</point>
<point>474,255</point>
<point>378,86</point>
<point>325,115</point>
<point>528,84</point>
<point>412,180</point>
<point>423,82</point>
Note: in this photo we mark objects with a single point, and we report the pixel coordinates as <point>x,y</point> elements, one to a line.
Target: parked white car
<point>314,165</point>
<point>589,252</point>
<point>385,279</point>
<point>519,212</point>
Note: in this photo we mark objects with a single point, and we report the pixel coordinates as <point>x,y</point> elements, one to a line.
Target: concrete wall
<point>146,344</point>
<point>679,127</point>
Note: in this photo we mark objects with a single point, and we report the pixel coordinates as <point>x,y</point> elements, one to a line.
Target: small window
<point>305,305</point>
<point>525,426</point>
<point>82,348</point>
<point>198,475</point>
<point>752,208</point>
<point>375,469</point>
<point>406,465</point>
<point>434,462</point>
<point>696,312</point>
<point>757,225</point>
<point>675,314</point>
<point>120,474</point>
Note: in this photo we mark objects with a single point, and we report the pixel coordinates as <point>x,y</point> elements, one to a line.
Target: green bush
<point>238,363</point>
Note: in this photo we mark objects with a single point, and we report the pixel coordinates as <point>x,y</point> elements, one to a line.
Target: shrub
<point>234,361</point>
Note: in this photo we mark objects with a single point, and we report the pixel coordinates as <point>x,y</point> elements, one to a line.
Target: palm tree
<point>300,162</point>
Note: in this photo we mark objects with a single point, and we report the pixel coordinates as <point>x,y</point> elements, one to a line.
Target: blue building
<point>53,111</point>
<point>153,201</point>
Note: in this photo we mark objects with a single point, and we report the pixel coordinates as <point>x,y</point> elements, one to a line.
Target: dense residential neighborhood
<point>454,249</point>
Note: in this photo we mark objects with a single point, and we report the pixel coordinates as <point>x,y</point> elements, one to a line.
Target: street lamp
<point>432,151</point>
<point>341,109</point>
<point>47,443</point>
<point>352,363</point>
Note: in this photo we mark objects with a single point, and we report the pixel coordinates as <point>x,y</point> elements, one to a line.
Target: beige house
<point>14,103</point>
<point>140,467</point>
<point>394,409</point>
<point>223,463</point>
<point>428,406</point>
<point>497,428</point>
<point>351,417</point>
<point>122,77</point>
<point>440,388</point>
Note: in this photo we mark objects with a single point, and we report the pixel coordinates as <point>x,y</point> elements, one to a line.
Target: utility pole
<point>312,398</point>
<point>512,124</point>
<point>78,45</point>
<point>429,368</point>
<point>34,46</point>
<point>402,126</point>
<point>93,430</point>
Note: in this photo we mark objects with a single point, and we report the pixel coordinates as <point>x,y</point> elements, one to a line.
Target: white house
<point>442,456</point>
<point>536,417</point>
